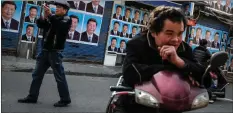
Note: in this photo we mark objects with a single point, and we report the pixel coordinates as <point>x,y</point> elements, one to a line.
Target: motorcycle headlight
<point>202,100</point>
<point>146,99</point>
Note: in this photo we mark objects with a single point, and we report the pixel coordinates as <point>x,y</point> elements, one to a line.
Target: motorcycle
<point>177,95</point>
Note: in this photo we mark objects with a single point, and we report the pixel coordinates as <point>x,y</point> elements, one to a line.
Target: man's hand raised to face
<point>168,52</point>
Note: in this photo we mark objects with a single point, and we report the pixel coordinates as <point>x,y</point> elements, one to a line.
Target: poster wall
<point>221,5</point>
<point>30,29</point>
<point>86,21</point>
<point>216,39</point>
<point>126,23</point>
<point>11,14</point>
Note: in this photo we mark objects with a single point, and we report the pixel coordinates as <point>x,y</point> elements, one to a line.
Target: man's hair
<point>125,25</point>
<point>92,20</point>
<point>207,32</point>
<point>203,42</point>
<point>128,9</point>
<point>119,6</point>
<point>9,2</point>
<point>74,16</point>
<point>134,27</point>
<point>113,39</point>
<point>33,7</point>
<point>216,33</point>
<point>122,41</point>
<point>136,12</point>
<point>199,29</point>
<point>30,25</point>
<point>116,22</point>
<point>160,14</point>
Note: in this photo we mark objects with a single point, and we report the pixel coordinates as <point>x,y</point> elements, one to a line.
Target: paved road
<point>89,94</point>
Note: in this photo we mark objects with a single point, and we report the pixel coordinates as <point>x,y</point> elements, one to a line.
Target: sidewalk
<point>16,64</point>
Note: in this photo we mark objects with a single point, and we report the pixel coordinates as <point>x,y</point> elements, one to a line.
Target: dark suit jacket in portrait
<point>85,38</point>
<point>143,23</point>
<point>138,21</point>
<point>228,9</point>
<point>90,9</point>
<point>213,45</point>
<point>24,37</point>
<point>129,19</point>
<point>125,34</point>
<point>195,41</point>
<point>112,33</point>
<point>215,6</point>
<point>75,36</point>
<point>110,49</point>
<point>131,35</point>
<point>120,17</point>
<point>27,19</point>
<point>119,50</point>
<point>14,24</point>
<point>81,5</point>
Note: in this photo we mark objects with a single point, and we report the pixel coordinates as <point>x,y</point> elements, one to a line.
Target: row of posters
<point>86,20</point>
<point>217,39</point>
<point>221,5</point>
<point>125,24</point>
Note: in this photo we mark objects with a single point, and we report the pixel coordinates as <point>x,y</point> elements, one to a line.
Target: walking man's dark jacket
<point>55,32</point>
<point>143,60</point>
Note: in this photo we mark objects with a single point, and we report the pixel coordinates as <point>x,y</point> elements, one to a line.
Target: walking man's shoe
<point>27,100</point>
<point>62,103</point>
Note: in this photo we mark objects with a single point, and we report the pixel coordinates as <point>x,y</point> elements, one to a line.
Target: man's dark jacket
<point>202,55</point>
<point>55,31</point>
<point>143,60</point>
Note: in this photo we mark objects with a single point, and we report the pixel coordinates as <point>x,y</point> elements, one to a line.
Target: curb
<point>117,75</point>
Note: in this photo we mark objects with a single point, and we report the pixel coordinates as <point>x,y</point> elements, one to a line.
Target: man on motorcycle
<point>159,48</point>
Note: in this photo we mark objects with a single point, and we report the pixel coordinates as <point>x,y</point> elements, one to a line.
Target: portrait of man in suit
<point>89,35</point>
<point>8,10</point>
<point>121,49</point>
<point>32,14</point>
<point>94,7</point>
<point>207,37</point>
<point>226,7</point>
<point>145,19</point>
<point>197,38</point>
<point>186,10</point>
<point>230,68</point>
<point>191,36</point>
<point>127,15</point>
<point>117,15</point>
<point>124,31</point>
<point>224,38</point>
<point>29,33</point>
<point>134,32</point>
<point>215,43</point>
<point>73,34</point>
<point>115,31</point>
<point>79,5</point>
<point>136,19</point>
<point>113,47</point>
<point>217,5</point>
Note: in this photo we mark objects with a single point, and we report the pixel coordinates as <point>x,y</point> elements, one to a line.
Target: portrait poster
<point>29,32</point>
<point>224,6</point>
<point>32,13</point>
<point>230,63</point>
<point>117,45</point>
<point>212,36</point>
<point>86,23</point>
<point>95,6</point>
<point>11,14</point>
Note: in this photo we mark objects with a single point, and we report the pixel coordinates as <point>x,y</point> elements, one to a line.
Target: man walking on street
<point>56,27</point>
